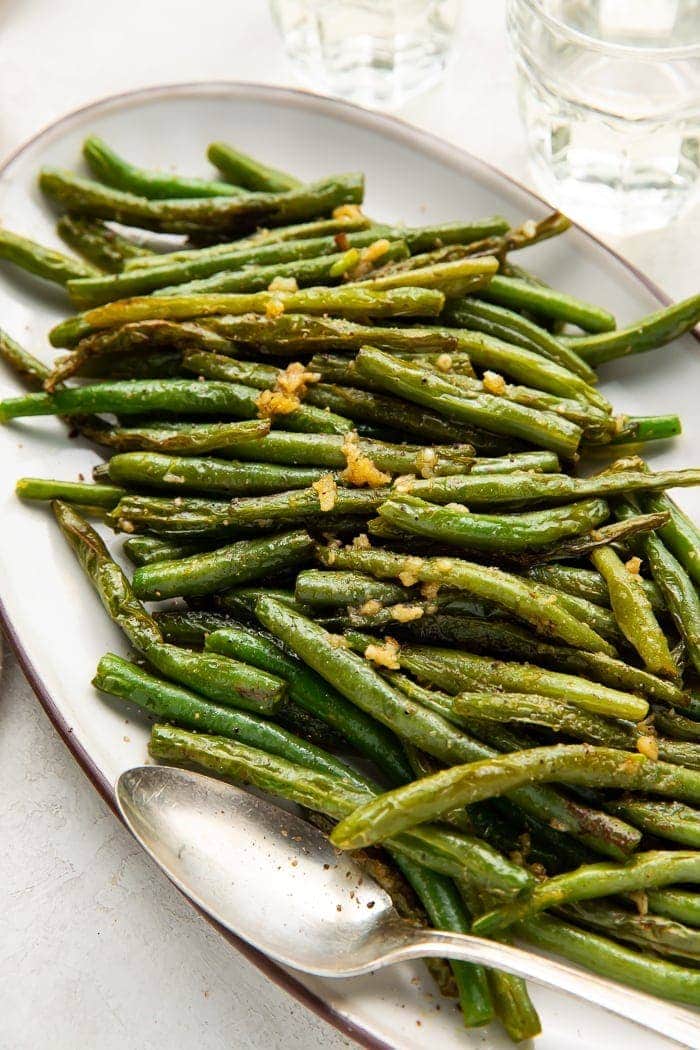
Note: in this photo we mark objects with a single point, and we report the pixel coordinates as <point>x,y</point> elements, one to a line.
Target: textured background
<point>97,948</point>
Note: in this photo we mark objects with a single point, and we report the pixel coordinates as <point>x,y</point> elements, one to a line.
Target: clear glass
<point>610,94</point>
<point>377,52</point>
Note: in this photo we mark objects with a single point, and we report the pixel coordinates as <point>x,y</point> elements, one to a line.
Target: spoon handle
<point>667,1018</point>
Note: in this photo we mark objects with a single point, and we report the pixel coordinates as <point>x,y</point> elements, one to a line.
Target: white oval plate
<point>50,612</point>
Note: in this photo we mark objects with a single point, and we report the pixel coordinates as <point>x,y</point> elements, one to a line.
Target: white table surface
<point>97,948</point>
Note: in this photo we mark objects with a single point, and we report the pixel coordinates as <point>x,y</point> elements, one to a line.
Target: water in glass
<point>610,95</point>
<point>378,52</point>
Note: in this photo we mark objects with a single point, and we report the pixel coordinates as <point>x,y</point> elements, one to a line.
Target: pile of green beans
<point>360,463</point>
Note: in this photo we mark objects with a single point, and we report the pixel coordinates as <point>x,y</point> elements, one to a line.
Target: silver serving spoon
<point>276,881</point>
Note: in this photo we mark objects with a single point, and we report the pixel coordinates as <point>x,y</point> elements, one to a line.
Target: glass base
<point>607,209</point>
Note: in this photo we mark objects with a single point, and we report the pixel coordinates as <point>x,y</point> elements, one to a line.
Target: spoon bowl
<point>276,881</point>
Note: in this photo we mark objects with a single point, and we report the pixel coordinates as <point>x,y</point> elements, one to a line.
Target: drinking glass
<point>377,52</point>
<point>609,91</point>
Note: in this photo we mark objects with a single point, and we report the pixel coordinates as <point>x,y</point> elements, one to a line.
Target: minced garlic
<point>408,579</point>
<point>386,655</point>
<point>360,469</point>
<point>275,403</point>
<point>274,307</point>
<point>348,211</point>
<point>370,607</point>
<point>443,363</point>
<point>283,284</point>
<point>494,383</point>
<point>405,613</point>
<point>425,462</point>
<point>640,900</point>
<point>327,490</point>
<point>361,542</point>
<point>633,565</point>
<point>404,482</point>
<point>295,378</point>
<point>648,746</point>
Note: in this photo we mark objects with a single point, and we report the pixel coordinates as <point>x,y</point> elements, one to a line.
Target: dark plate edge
<point>280,976</point>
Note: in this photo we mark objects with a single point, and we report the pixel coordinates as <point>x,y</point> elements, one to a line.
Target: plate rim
<point>428,143</point>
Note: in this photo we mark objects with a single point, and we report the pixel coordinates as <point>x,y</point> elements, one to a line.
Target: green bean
<point>175,704</point>
<point>241,601</point>
<point>299,231</point>
<point>547,302</point>
<point>447,912</point>
<point>651,332</point>
<point>605,957</point>
<point>667,820</point>
<point>510,998</point>
<point>189,439</point>
<point>132,341</point>
<point>336,368</point>
<point>527,600</point>
<point>32,371</point>
<point>681,597</point>
<point>80,492</point>
<point>41,261</point>
<point>197,474</point>
<point>224,567</point>
<point>455,525</point>
<point>450,852</point>
<point>491,412</point>
<point>243,170</point>
<point>522,488</point>
<point>157,364</point>
<point>656,868</point>
<point>201,518</point>
<point>634,613</point>
<point>311,692</point>
<point>144,550</point>
<point>487,353</point>
<point>589,584</point>
<point>363,406</point>
<point>99,244</point>
<point>637,429</point>
<point>531,709</point>
<point>681,536</point>
<point>330,451</point>
<point>324,269</point>
<point>454,278</point>
<point>677,725</point>
<point>112,586</point>
<point>360,684</point>
<point>598,426</point>
<point>189,628</point>
<point>456,671</point>
<point>321,589</point>
<point>219,678</point>
<point>580,546</point>
<point>219,215</point>
<point>426,238</point>
<point>169,271</point>
<point>579,764</point>
<point>648,931</point>
<point>173,396</point>
<point>681,905</point>
<point>109,167</point>
<point>513,640</point>
<point>512,327</point>
<point>348,301</point>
